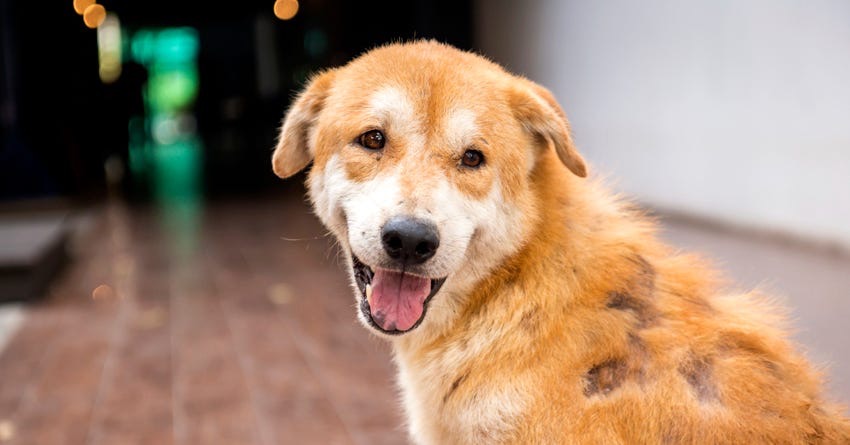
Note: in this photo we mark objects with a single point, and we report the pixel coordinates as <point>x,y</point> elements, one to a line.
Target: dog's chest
<point>450,400</point>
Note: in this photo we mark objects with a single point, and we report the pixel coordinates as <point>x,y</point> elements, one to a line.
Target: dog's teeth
<point>369,293</point>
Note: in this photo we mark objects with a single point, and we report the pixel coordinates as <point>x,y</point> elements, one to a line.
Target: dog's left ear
<point>293,151</point>
<point>538,111</point>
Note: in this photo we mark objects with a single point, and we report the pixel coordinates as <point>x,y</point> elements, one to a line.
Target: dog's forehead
<point>426,80</point>
<point>391,101</point>
<point>391,107</point>
<point>455,120</point>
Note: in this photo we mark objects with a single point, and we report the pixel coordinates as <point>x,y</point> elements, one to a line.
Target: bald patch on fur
<point>637,294</point>
<point>605,377</point>
<point>530,319</point>
<point>698,372</point>
<point>609,375</point>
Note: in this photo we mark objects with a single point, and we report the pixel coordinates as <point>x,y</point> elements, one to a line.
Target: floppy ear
<point>540,114</point>
<point>293,151</point>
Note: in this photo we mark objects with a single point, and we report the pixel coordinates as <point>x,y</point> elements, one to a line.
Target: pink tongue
<point>398,300</point>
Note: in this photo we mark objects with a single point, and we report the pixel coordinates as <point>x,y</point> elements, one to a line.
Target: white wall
<point>734,109</point>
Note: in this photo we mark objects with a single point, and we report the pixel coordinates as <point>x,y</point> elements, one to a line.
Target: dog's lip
<point>363,274</point>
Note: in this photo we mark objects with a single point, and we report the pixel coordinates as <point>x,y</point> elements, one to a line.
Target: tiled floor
<point>222,325</point>
<point>232,324</point>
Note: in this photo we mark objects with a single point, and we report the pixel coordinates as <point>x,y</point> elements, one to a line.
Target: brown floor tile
<point>212,404</point>
<point>134,406</point>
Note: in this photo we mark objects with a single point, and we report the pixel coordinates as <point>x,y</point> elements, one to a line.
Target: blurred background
<point>158,284</point>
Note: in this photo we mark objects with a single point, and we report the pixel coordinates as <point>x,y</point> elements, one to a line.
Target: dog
<point>525,303</point>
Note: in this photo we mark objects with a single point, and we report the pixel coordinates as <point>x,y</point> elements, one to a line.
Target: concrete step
<point>32,251</point>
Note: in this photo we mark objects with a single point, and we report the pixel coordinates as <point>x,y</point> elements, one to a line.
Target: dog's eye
<point>373,140</point>
<point>472,158</point>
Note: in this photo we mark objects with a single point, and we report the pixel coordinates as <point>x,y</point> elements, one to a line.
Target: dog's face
<point>422,164</point>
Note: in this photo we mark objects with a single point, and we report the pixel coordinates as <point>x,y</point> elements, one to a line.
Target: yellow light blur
<point>151,318</point>
<point>94,15</point>
<point>109,48</point>
<point>81,5</point>
<point>7,430</point>
<point>285,9</point>
<point>280,294</point>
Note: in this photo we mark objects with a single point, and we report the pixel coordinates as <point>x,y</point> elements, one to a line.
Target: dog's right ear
<point>293,151</point>
<point>540,114</point>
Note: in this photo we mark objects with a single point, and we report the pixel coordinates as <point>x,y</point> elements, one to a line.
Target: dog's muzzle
<point>395,293</point>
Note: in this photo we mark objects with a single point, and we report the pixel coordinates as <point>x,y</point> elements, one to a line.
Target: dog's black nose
<point>409,240</point>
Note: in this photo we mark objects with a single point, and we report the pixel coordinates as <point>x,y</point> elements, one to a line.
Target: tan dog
<point>525,304</point>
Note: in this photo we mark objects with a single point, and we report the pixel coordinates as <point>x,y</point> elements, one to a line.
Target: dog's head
<point>422,163</point>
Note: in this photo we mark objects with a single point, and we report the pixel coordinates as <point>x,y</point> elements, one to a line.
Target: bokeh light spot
<point>94,15</point>
<point>280,294</point>
<point>151,318</point>
<point>7,430</point>
<point>81,5</point>
<point>104,292</point>
<point>285,9</point>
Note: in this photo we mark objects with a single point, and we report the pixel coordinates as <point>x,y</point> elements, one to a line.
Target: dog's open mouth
<point>393,302</point>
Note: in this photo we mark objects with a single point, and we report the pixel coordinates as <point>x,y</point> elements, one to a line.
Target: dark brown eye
<point>373,140</point>
<point>472,158</point>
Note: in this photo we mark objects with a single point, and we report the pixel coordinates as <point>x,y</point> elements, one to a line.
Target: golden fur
<point>583,327</point>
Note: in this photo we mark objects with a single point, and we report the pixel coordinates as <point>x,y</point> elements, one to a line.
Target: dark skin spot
<point>636,295</point>
<point>645,270</point>
<point>639,355</point>
<point>605,377</point>
<point>644,312</point>
<point>698,372</point>
<point>454,386</point>
<point>611,374</point>
<point>672,437</point>
<point>529,319</point>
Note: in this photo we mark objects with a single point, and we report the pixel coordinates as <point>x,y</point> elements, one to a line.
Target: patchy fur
<point>562,318</point>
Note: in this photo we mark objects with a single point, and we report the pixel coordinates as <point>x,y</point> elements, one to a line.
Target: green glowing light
<point>176,46</point>
<point>177,170</point>
<point>172,89</point>
<point>171,162</point>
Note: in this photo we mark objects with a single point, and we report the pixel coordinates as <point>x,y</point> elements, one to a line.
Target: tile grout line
<point>124,285</point>
<point>349,431</point>
<point>320,377</point>
<point>178,419</point>
<point>107,373</point>
<point>266,437</point>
